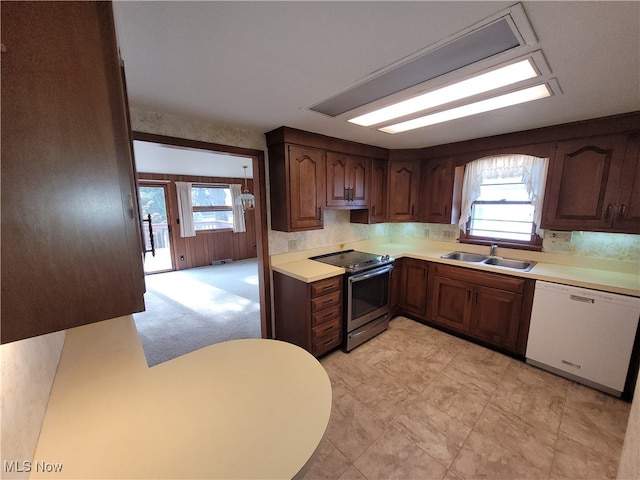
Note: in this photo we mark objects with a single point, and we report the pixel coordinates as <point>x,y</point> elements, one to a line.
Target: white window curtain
<point>185,209</point>
<point>239,225</point>
<point>532,171</point>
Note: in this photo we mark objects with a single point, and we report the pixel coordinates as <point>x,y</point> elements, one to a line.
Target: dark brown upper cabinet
<point>297,176</point>
<point>440,182</point>
<point>71,244</point>
<point>311,172</point>
<point>593,181</point>
<point>629,194</point>
<point>378,194</point>
<point>404,181</point>
<point>593,185</point>
<point>347,180</point>
<point>378,199</point>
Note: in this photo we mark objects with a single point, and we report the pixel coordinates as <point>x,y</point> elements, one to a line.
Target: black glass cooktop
<point>353,261</point>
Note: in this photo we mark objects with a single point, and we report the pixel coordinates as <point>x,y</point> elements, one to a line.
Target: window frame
<point>534,243</point>
<point>211,208</point>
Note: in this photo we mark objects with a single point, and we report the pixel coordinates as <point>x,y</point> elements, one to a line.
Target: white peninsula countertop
<point>251,408</point>
<point>597,274</point>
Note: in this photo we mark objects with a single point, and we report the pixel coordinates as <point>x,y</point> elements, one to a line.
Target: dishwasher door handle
<point>578,298</point>
<point>574,365</point>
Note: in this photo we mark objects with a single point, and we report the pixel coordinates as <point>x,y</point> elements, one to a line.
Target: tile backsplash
<point>337,229</point>
<point>616,246</point>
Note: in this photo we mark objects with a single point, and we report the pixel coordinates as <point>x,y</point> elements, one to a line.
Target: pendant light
<point>247,200</point>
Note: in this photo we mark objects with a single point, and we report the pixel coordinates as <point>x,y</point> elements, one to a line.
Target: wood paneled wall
<point>205,247</point>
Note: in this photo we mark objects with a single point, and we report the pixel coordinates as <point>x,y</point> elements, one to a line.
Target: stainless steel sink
<point>523,265</point>
<point>465,257</point>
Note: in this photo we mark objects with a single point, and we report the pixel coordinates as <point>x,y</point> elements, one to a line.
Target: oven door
<point>368,296</point>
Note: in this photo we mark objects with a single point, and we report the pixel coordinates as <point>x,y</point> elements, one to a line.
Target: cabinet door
<point>378,193</point>
<point>626,217</point>
<point>583,179</point>
<point>495,316</point>
<point>396,285</point>
<point>337,181</point>
<point>403,190</point>
<point>414,287</point>
<point>449,303</point>
<point>436,191</point>
<point>306,177</point>
<point>70,246</point>
<point>359,168</point>
<point>376,197</point>
<point>347,180</point>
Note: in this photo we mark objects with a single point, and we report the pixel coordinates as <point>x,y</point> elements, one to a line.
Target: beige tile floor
<point>416,403</point>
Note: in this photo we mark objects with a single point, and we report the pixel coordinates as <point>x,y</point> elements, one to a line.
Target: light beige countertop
<point>598,274</point>
<point>251,408</point>
<point>308,270</point>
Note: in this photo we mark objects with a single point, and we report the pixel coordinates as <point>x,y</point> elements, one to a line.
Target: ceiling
<point>151,157</point>
<point>261,65</point>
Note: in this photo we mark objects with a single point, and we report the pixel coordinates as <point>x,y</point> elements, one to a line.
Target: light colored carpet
<point>190,309</point>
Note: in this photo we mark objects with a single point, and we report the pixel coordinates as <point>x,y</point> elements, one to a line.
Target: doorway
<point>256,160</point>
<point>155,228</point>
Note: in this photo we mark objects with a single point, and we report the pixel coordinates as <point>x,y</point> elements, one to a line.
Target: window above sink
<point>502,200</point>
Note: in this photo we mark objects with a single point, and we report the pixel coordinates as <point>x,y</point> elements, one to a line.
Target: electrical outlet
<point>559,237</point>
<point>292,245</point>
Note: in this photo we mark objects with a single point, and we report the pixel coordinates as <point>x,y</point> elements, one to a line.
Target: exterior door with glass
<point>155,228</point>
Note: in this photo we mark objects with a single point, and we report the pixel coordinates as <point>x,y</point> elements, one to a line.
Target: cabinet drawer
<point>495,280</point>
<point>326,301</point>
<point>324,344</point>
<point>322,287</point>
<point>327,328</point>
<point>326,315</point>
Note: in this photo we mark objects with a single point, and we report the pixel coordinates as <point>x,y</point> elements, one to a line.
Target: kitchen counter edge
<point>309,271</point>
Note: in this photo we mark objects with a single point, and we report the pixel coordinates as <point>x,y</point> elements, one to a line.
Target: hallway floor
<point>416,403</point>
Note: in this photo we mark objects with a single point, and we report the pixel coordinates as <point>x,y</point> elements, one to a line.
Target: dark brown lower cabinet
<point>413,287</point>
<point>489,307</point>
<point>308,314</point>
<point>449,305</point>
<point>396,286</point>
<point>496,316</point>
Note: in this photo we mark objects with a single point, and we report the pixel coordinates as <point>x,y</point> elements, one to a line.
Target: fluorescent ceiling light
<point>517,72</point>
<point>479,43</point>
<point>506,100</point>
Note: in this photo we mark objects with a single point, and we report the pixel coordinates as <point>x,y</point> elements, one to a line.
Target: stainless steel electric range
<point>368,282</point>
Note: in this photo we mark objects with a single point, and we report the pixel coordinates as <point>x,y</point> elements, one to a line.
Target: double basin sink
<point>520,265</point>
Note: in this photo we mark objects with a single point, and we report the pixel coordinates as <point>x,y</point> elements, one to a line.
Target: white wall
<point>28,370</point>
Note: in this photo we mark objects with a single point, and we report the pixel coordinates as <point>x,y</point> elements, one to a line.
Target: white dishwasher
<point>584,335</point>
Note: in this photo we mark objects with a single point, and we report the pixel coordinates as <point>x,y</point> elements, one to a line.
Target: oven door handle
<point>371,273</point>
